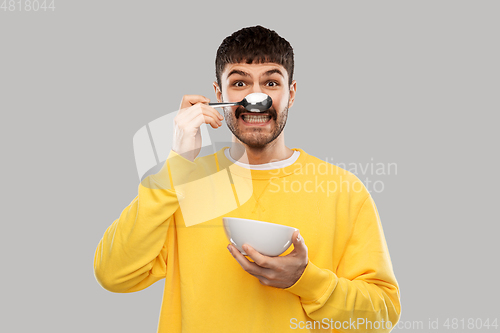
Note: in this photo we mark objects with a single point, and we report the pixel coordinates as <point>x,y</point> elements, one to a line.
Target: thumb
<point>298,242</point>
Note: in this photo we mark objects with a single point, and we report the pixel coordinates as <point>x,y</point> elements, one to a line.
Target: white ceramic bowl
<point>270,239</point>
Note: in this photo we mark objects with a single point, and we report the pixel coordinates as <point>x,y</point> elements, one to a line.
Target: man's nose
<point>256,88</point>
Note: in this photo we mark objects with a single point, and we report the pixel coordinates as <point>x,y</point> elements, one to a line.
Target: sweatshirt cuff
<point>313,283</point>
<point>175,171</point>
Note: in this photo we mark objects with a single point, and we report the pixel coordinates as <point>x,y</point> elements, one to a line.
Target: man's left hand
<point>279,272</point>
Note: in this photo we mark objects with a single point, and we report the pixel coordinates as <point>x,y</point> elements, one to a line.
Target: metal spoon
<point>255,102</point>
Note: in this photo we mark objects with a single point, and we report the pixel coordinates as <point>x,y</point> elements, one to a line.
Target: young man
<point>341,280</point>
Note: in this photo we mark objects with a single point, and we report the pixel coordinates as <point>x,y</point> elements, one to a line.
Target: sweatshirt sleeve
<point>364,291</point>
<point>132,254</point>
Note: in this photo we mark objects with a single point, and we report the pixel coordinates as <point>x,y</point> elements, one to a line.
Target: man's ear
<point>218,92</point>
<point>293,90</point>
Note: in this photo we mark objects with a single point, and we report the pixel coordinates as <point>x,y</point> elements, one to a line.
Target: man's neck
<point>273,152</point>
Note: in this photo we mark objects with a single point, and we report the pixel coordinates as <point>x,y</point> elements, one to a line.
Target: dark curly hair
<point>254,45</point>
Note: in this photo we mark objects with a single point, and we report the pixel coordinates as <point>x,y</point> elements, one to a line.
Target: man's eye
<point>272,83</point>
<point>238,84</point>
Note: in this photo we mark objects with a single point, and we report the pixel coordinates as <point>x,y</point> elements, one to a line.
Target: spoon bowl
<point>255,102</point>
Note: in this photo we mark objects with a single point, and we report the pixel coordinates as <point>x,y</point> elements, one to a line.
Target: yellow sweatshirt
<point>173,230</point>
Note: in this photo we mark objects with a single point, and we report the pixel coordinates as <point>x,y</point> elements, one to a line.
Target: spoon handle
<point>220,105</point>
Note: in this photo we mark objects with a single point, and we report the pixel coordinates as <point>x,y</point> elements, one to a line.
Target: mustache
<point>271,111</point>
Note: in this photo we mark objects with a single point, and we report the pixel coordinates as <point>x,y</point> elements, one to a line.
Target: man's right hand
<point>193,112</point>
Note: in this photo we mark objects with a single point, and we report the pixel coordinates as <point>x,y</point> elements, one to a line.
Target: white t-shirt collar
<point>265,166</point>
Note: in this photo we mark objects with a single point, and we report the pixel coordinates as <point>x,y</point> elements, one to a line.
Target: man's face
<point>238,80</point>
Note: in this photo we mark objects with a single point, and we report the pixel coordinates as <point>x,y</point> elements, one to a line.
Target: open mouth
<point>256,119</point>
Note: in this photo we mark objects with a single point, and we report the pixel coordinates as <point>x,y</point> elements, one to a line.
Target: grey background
<point>409,82</point>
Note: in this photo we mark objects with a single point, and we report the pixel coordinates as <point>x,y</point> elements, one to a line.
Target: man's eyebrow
<point>273,71</point>
<point>268,73</point>
<point>237,71</point>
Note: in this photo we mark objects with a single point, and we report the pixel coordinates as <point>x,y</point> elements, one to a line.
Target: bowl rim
<point>258,222</point>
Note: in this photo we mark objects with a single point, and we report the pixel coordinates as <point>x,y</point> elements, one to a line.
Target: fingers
<point>199,114</point>
<point>204,118</point>
<point>211,116</point>
<point>247,265</point>
<point>285,271</point>
<point>203,108</point>
<point>279,272</point>
<point>258,258</point>
<point>263,280</point>
<point>190,100</point>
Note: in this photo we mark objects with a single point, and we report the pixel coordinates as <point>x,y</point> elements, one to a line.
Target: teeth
<point>255,119</point>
